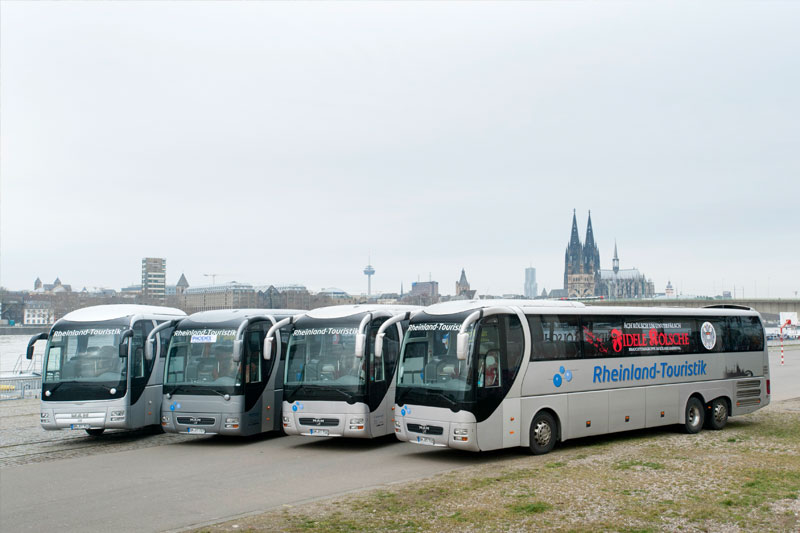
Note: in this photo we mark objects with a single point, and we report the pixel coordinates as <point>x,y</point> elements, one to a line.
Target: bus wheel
<point>543,433</point>
<point>95,432</point>
<point>695,414</point>
<point>717,415</point>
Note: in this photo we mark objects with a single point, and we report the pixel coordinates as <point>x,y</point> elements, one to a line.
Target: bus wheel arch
<point>544,432</point>
<point>717,412</point>
<point>694,414</point>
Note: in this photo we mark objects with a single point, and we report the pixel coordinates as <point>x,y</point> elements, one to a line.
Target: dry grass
<point>744,478</point>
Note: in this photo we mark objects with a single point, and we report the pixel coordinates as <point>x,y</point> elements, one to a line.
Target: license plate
<point>319,432</point>
<point>425,440</point>
<point>79,426</point>
<point>199,431</point>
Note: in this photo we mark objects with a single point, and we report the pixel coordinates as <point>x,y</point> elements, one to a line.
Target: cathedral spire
<point>574,239</point>
<point>616,257</point>
<point>589,233</point>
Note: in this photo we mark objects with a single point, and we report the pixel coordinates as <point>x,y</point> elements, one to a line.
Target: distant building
<point>182,285</point>
<point>154,279</point>
<point>422,293</point>
<point>616,284</point>
<point>334,294</point>
<point>531,289</point>
<point>38,313</point>
<point>50,288</point>
<point>583,277</point>
<point>231,295</point>
<point>669,292</point>
<point>463,291</point>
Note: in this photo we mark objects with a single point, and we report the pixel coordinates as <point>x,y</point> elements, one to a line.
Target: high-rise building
<point>531,289</point>
<point>154,279</point>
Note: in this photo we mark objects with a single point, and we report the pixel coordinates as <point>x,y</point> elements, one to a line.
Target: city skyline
<point>291,143</point>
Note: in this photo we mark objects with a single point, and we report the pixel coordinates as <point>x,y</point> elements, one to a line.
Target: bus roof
<point>219,316</point>
<point>342,311</point>
<point>99,313</point>
<point>461,306</point>
<point>573,307</point>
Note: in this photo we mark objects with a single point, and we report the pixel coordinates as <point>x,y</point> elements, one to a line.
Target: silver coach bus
<point>95,373</point>
<point>482,375</point>
<point>335,384</point>
<point>217,379</point>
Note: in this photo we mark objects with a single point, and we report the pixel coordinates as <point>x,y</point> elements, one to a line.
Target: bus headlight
<point>118,413</point>
<point>285,419</point>
<point>164,420</point>
<point>44,416</point>
<point>461,431</point>
<point>232,422</point>
<point>356,421</point>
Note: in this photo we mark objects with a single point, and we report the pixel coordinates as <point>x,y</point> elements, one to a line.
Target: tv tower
<point>369,271</point>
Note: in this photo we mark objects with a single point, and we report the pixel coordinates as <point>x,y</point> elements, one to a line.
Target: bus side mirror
<point>123,342</point>
<point>150,349</point>
<point>39,337</point>
<point>361,341</point>
<point>379,345</point>
<point>237,350</point>
<point>462,346</point>
<point>267,348</point>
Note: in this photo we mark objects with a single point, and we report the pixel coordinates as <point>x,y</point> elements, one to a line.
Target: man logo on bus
<point>558,380</point>
<point>708,335</point>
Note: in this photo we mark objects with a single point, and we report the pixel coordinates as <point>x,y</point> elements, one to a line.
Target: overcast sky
<point>279,143</point>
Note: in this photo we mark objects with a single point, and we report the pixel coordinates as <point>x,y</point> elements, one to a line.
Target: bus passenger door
<point>139,371</point>
<point>255,379</point>
<point>154,392</point>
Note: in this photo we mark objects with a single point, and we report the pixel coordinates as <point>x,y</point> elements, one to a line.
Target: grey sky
<point>277,143</point>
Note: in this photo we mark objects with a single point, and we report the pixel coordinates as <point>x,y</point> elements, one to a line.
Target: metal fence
<point>18,387</point>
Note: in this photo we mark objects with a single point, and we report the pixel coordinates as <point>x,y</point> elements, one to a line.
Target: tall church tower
<point>573,258</point>
<point>581,262</point>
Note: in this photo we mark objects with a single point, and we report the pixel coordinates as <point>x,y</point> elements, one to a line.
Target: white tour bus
<point>95,373</point>
<point>217,380</point>
<point>335,383</point>
<point>483,374</point>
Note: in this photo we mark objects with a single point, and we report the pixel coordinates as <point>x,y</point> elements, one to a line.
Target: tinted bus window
<point>713,335</point>
<point>656,336</point>
<point>746,333</point>
<point>554,337</point>
<point>600,334</point>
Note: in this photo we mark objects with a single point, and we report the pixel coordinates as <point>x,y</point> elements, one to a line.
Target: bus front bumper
<point>202,415</point>
<point>326,419</point>
<point>436,426</point>
<point>81,416</point>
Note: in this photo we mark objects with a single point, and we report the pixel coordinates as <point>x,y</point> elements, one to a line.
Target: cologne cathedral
<point>583,277</point>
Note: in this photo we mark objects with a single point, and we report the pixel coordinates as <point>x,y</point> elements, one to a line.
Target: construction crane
<point>214,277</point>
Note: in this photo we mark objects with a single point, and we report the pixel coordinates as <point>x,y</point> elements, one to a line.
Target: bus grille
<point>748,393</point>
<point>748,384</point>
<point>427,430</point>
<point>196,420</point>
<point>319,422</point>
<point>749,401</point>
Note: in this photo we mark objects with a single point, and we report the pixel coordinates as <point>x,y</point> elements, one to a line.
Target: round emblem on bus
<point>708,335</point>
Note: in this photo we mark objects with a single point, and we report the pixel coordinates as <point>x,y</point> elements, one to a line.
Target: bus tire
<point>717,414</point>
<point>695,416</point>
<point>95,432</point>
<point>544,433</point>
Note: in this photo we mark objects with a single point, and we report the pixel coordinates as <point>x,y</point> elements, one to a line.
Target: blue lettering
<point>597,375</point>
<point>614,374</point>
<point>703,367</point>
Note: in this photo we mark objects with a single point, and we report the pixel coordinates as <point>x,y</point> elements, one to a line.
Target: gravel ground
<point>23,441</point>
<point>744,478</point>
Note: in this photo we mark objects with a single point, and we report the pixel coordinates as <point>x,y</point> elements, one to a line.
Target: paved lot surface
<point>141,481</point>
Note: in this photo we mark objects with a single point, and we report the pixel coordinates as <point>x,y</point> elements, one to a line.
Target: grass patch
<point>629,464</point>
<point>531,507</point>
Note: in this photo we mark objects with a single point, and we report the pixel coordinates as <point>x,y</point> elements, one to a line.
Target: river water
<point>12,346</point>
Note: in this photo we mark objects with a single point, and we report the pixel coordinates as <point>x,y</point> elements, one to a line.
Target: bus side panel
<point>490,431</point>
<point>626,409</point>
<point>588,414</point>
<point>662,405</point>
<point>136,412</point>
<point>511,408</point>
<point>533,404</point>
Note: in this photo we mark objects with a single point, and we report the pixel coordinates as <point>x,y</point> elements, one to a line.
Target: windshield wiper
<point>443,395</point>
<point>57,385</point>
<point>179,388</point>
<point>311,388</point>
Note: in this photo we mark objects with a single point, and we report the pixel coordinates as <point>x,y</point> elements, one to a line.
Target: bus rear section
<point>218,380</point>
<point>532,373</point>
<point>336,384</point>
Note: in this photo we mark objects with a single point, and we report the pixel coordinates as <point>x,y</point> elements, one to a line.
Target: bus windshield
<point>85,354</point>
<point>429,369</point>
<point>323,357</point>
<point>202,358</point>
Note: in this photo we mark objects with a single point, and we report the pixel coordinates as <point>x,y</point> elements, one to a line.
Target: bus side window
<point>561,338</point>
<point>376,365</point>
<point>140,331</point>
<point>599,334</point>
<point>489,360</point>
<point>537,337</point>
<point>253,357</point>
<point>747,334</point>
<point>515,342</point>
